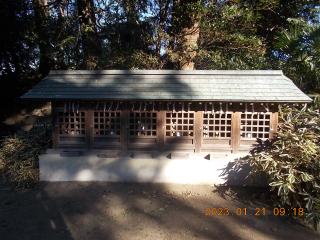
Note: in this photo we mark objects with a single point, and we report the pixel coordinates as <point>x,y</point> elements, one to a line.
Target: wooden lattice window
<point>255,125</point>
<point>143,123</point>
<point>107,122</point>
<point>72,123</point>
<point>217,125</point>
<point>179,124</point>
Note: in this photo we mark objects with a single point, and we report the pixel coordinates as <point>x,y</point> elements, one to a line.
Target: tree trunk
<point>189,43</point>
<point>41,13</point>
<point>185,33</point>
<point>91,44</point>
<point>132,19</point>
<point>163,14</point>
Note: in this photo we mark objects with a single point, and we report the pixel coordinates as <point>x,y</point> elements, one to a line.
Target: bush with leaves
<point>292,161</point>
<point>20,154</point>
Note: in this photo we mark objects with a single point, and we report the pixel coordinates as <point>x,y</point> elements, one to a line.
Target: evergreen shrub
<point>19,154</point>
<point>292,161</point>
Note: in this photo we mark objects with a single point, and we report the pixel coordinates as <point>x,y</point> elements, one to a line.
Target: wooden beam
<point>273,125</point>
<point>161,128</point>
<point>124,116</point>
<point>235,131</point>
<point>198,131</point>
<point>89,127</point>
<point>55,125</point>
<point>236,106</point>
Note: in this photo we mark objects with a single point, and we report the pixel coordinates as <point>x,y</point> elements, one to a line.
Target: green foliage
<point>17,48</point>
<point>229,36</point>
<point>20,154</point>
<point>233,34</point>
<point>292,161</point>
<point>298,52</point>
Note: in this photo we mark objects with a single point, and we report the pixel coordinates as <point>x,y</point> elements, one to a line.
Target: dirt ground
<point>99,210</point>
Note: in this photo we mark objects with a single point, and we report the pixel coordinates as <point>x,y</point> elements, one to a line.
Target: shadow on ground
<point>98,210</point>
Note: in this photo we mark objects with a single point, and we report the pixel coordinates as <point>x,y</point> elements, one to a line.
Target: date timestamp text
<point>254,212</point>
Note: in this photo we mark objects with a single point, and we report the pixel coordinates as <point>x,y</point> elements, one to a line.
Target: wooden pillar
<point>273,125</point>
<point>89,126</point>
<point>161,128</point>
<point>55,125</point>
<point>124,128</point>
<point>198,131</point>
<point>235,131</point>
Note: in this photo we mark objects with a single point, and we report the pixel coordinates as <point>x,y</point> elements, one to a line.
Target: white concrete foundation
<point>220,169</point>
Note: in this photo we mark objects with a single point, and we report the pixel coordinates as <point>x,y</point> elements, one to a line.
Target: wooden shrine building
<point>164,110</point>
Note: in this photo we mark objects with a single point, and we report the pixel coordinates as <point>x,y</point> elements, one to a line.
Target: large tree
<point>41,13</point>
<point>180,34</point>
<point>228,38</point>
<point>159,34</point>
<point>91,44</point>
<point>186,15</point>
<point>17,48</point>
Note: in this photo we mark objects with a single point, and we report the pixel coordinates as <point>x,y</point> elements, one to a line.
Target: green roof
<point>158,85</point>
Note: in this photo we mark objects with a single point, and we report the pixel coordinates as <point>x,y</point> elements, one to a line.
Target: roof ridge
<point>167,72</point>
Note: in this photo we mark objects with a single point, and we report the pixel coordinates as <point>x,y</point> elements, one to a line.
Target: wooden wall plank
<point>235,131</point>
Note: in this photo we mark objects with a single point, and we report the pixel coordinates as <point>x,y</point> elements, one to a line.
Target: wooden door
<point>180,131</point>
<point>142,130</point>
<point>106,130</point>
<point>216,135</point>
